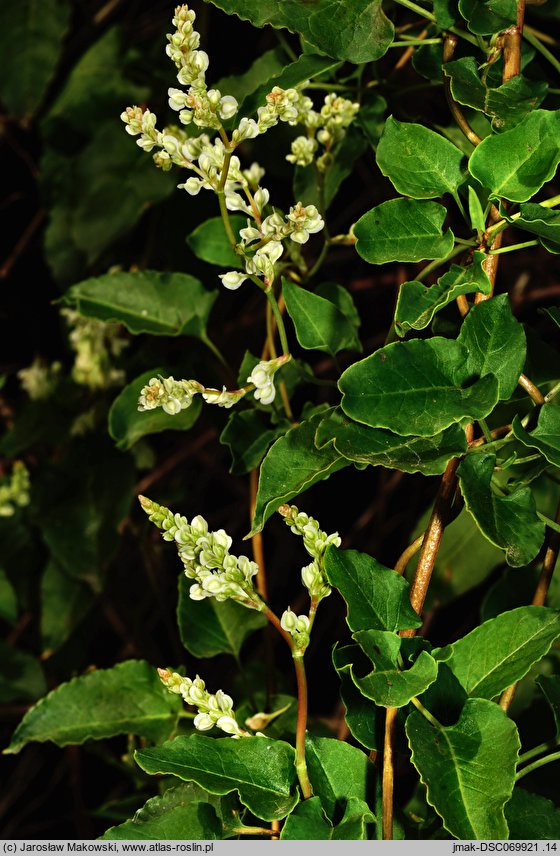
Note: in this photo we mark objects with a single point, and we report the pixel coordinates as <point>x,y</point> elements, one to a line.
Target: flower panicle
<point>214,709</point>
<point>315,541</point>
<point>206,559</point>
<point>173,396</point>
<point>15,490</point>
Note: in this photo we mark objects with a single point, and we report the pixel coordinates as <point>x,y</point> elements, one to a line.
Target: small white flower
<point>203,722</point>
<point>304,220</point>
<point>246,130</point>
<point>171,406</point>
<point>303,150</point>
<point>261,198</point>
<point>177,98</point>
<point>229,725</point>
<point>192,185</point>
<point>232,279</point>
<point>228,107</point>
<point>255,172</point>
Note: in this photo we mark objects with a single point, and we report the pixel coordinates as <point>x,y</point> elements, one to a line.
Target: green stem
<point>319,261</point>
<point>538,45</point>
<point>485,430</point>
<point>285,45</point>
<point>438,263</point>
<point>225,219</point>
<point>301,764</point>
<point>537,750</point>
<point>552,393</point>
<point>408,4</point>
<point>279,321</point>
<point>426,713</point>
<point>548,759</point>
<point>429,16</point>
<point>513,247</point>
<point>252,830</point>
<point>412,42</point>
<point>216,351</point>
<point>330,87</point>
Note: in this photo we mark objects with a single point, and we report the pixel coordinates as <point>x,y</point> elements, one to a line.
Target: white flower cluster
<point>212,162</point>
<point>39,380</point>
<point>95,344</point>
<point>262,377</point>
<point>265,242</point>
<point>298,627</point>
<point>327,127</point>
<point>169,394</point>
<point>205,107</point>
<point>14,492</point>
<point>315,542</point>
<point>213,709</point>
<point>206,557</point>
<point>176,395</point>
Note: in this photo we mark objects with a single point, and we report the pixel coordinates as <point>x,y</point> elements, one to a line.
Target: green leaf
<point>362,715</point>
<point>509,522</point>
<point>127,699</point>
<point>163,304</point>
<point>488,16</point>
<point>209,242</point>
<point>341,297</point>
<point>179,813</point>
<point>95,89</point>
<point>501,651</point>
<point>540,221</point>
<point>550,687</point>
<point>21,675</point>
<point>319,324</point>
<point>459,765</point>
<point>377,597</point>
<point>261,770</point>
<point>516,163</point>
<point>531,817</point>
<point>379,447</point>
<point>417,387</point>
<point>248,433</point>
<point>476,214</point>
<point>65,601</point>
<point>353,30</point>
<point>292,465</point>
<point>495,342</point>
<point>446,13</point>
<point>8,599</point>
<point>80,504</point>
<point>516,587</point>
<point>208,628</point>
<point>417,304</point>
<point>308,822</point>
<point>546,436</point>
<point>506,106</point>
<point>371,117</point>
<point>419,162</point>
<point>31,38</point>
<point>403,230</point>
<point>337,771</point>
<point>266,66</point>
<point>390,685</point>
<point>96,197</point>
<point>127,424</point>
<point>304,68</point>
